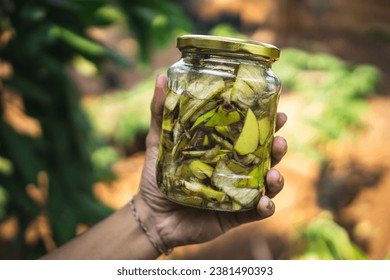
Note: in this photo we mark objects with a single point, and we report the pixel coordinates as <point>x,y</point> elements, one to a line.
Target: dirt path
<point>365,166</point>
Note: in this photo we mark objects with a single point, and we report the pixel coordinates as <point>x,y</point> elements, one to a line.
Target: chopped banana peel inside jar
<point>248,139</point>
<point>217,130</point>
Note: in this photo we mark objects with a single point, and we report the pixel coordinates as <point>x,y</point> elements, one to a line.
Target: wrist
<point>147,222</point>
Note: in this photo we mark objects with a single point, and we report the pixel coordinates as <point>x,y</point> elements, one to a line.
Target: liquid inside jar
<point>217,135</point>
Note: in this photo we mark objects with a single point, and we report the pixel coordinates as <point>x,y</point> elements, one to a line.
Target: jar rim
<point>228,44</point>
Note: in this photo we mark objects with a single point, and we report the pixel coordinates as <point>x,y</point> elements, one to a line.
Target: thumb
<point>156,109</point>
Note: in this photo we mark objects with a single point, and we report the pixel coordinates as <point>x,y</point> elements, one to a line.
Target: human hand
<point>170,224</point>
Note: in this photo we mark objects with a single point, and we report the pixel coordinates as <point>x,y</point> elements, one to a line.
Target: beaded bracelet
<point>161,250</point>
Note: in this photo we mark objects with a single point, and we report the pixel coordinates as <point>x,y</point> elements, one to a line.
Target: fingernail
<point>160,80</point>
<point>283,116</point>
<point>280,180</point>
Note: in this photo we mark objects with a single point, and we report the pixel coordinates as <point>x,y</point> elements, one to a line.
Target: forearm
<point>117,237</point>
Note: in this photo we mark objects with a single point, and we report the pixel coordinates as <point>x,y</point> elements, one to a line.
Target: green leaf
<point>33,12</point>
<point>30,90</point>
<point>155,24</point>
<point>88,46</point>
<point>4,196</point>
<point>20,149</point>
<point>106,15</point>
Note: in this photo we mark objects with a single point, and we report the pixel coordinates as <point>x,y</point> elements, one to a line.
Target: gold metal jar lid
<point>229,45</point>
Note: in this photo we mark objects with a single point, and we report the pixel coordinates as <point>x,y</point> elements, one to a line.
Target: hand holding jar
<point>153,224</point>
<point>170,224</point>
<point>212,137</point>
<point>218,123</point>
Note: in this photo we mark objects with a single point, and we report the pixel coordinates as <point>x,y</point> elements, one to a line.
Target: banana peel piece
<point>237,167</point>
<point>236,206</point>
<point>253,75</point>
<point>205,117</point>
<point>223,176</point>
<point>203,90</point>
<point>225,131</point>
<point>255,179</point>
<point>223,117</point>
<point>171,100</point>
<point>200,169</point>
<point>205,191</point>
<point>263,152</point>
<point>183,171</point>
<point>180,144</point>
<point>249,85</point>
<point>224,143</point>
<point>168,122</point>
<point>211,153</point>
<point>248,139</point>
<point>246,197</point>
<point>187,199</point>
<point>264,129</point>
<point>205,140</point>
<point>225,180</point>
<point>243,94</point>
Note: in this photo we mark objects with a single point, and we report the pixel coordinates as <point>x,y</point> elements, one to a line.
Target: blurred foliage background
<point>40,39</point>
<point>77,78</point>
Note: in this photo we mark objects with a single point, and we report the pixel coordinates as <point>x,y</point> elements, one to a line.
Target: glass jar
<point>218,123</point>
